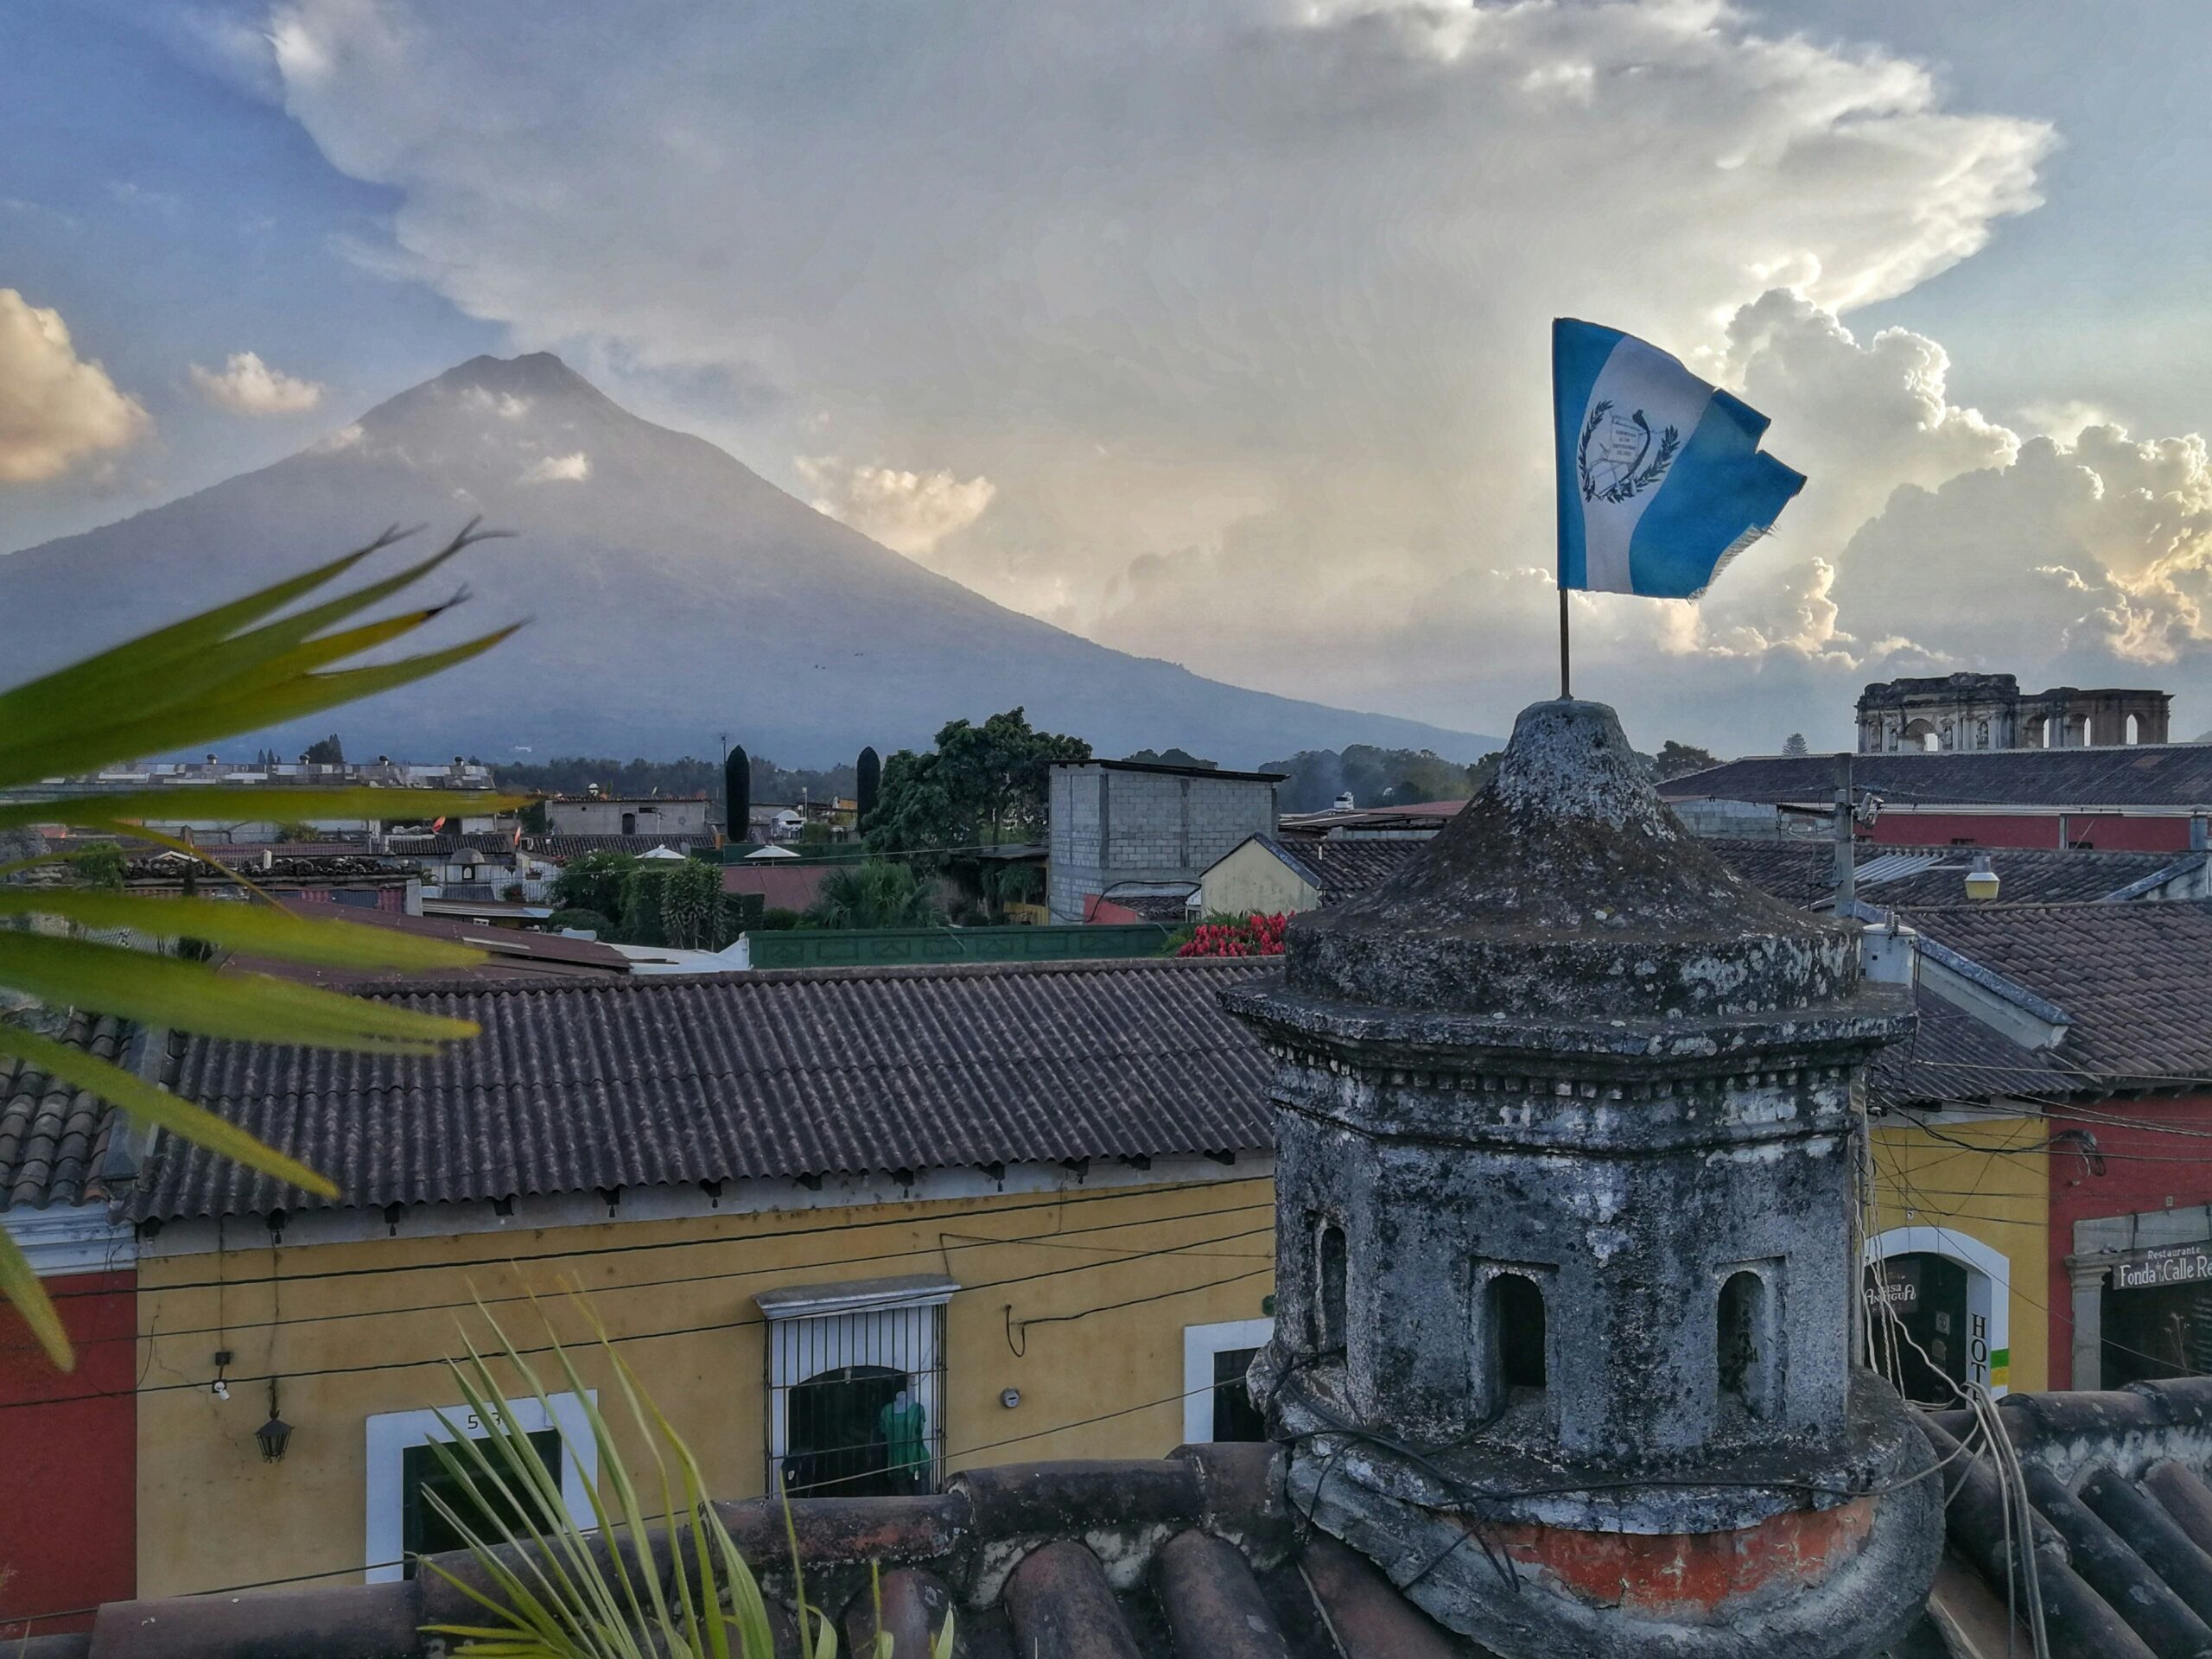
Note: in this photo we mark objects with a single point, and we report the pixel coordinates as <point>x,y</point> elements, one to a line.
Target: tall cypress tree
<point>737,794</point>
<point>869,776</point>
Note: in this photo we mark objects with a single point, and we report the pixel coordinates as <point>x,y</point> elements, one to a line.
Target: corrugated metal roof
<point>625,1083</point>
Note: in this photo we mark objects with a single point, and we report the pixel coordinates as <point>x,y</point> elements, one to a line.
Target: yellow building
<point>1031,1200</point>
<point>1957,1241</point>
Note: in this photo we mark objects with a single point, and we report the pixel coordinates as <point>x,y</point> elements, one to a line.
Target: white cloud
<point>507,405</point>
<point>55,407</point>
<point>1240,308</point>
<point>909,513</point>
<point>246,385</point>
<point>559,469</point>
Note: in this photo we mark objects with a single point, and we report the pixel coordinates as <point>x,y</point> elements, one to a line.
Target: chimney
<point>1567,1127</point>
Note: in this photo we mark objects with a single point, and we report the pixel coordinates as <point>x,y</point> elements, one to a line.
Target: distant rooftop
<point>2165,777</point>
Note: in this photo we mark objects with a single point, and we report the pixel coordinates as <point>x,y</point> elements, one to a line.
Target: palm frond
<point>238,667</point>
<point>261,930</point>
<point>216,801</point>
<point>189,996</point>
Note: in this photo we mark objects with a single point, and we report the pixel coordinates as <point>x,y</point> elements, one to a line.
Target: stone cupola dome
<point>1566,1159</point>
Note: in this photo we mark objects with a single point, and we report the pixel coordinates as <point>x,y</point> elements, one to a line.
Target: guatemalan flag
<point>1660,480</point>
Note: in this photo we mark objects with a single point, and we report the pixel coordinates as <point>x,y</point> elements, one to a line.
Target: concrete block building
<point>1126,828</point>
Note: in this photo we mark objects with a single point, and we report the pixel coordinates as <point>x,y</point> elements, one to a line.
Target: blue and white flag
<point>1661,481</point>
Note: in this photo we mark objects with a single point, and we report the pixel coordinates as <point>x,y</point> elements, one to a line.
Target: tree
<point>581,921</point>
<point>1680,759</point>
<point>880,893</point>
<point>867,784</point>
<point>1794,744</point>
<point>593,881</point>
<point>1171,756</point>
<point>690,905</point>
<point>325,751</point>
<point>737,794</point>
<point>1313,779</point>
<point>980,786</point>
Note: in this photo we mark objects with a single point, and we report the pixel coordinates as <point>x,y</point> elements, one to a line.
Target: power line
<point>1054,1201</point>
<point>741,1323</point>
<point>226,1328</point>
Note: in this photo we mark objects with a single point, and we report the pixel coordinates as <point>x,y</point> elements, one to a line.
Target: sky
<point>1214,332</point>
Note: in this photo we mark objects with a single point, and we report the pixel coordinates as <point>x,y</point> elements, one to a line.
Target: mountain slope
<point>672,593</point>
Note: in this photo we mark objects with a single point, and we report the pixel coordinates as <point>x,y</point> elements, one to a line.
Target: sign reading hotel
<point>2169,1264</point>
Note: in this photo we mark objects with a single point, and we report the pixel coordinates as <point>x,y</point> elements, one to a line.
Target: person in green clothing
<point>901,1426</point>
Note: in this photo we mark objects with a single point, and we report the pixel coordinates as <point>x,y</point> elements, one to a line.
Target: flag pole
<point>1564,692</point>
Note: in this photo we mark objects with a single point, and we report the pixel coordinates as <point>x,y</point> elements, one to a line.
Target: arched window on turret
<point>1750,1375</point>
<point>1329,1258</point>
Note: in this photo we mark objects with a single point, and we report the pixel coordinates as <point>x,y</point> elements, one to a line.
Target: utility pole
<point>1847,879</point>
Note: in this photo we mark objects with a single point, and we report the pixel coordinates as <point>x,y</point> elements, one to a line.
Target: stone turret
<point>1567,1142</point>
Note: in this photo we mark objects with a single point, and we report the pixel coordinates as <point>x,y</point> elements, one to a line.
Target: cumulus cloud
<point>246,385</point>
<point>55,407</point>
<point>559,469</point>
<point>1240,307</point>
<point>909,513</point>
<point>2082,561</point>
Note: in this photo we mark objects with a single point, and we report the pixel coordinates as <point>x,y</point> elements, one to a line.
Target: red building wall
<point>68,1467</point>
<point>2143,1169</point>
<point>2107,833</point>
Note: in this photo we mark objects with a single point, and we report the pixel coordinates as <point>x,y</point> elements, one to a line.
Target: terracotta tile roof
<point>1953,1058</point>
<point>2122,1521</point>
<point>1206,1561</point>
<point>2165,774</point>
<point>566,847</point>
<point>597,1084</point>
<point>1206,1558</point>
<point>780,886</point>
<point>513,950</point>
<point>1349,865</point>
<point>1802,872</point>
<point>52,1137</point>
<point>2130,978</point>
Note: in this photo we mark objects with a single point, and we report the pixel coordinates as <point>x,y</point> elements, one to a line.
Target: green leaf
<point>148,1105</point>
<point>192,996</point>
<point>260,929</point>
<point>47,754</point>
<point>242,803</point>
<point>19,1283</point>
<point>125,670</point>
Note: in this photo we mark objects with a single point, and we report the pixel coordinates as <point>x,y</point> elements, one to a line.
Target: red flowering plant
<point>1250,936</point>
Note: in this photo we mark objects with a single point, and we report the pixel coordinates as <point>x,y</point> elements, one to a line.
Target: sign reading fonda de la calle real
<point>2165,1264</point>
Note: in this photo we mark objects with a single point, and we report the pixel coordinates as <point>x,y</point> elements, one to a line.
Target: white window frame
<point>391,1433</point>
<point>882,1311</point>
<point>1200,1343</point>
<point>1989,1290</point>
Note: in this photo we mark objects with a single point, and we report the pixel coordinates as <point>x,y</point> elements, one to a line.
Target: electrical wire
<point>516,1265</point>
<point>742,1323</point>
<point>595,1251</point>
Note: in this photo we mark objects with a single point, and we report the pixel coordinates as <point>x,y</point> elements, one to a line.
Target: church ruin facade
<point>1990,711</point>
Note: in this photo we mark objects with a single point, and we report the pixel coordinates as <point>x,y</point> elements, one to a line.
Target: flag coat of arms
<point>1660,478</point>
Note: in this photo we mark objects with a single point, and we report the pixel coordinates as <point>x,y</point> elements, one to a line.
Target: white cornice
<point>77,1238</point>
